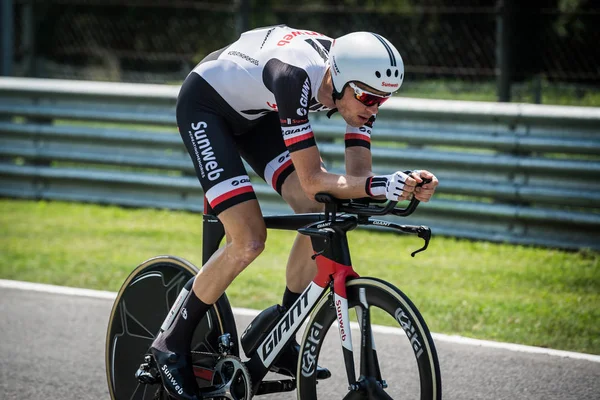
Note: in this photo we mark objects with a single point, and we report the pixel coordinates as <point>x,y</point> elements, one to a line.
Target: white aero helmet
<point>368,58</point>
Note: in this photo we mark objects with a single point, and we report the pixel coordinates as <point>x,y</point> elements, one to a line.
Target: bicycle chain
<point>205,353</point>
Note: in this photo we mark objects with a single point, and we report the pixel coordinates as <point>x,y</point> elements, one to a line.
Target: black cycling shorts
<point>217,138</point>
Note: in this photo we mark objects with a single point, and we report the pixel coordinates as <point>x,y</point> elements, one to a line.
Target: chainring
<point>231,380</point>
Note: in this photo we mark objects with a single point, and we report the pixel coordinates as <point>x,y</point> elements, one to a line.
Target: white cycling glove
<point>389,185</point>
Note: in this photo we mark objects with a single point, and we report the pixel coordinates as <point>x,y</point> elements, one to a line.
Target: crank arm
<point>283,385</point>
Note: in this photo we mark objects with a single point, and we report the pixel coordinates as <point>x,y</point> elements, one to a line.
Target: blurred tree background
<point>540,51</point>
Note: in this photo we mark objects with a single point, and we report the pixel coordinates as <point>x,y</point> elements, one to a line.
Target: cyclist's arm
<point>359,161</point>
<point>313,179</point>
<point>292,90</point>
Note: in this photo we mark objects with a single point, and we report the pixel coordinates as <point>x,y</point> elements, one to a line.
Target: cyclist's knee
<point>293,195</point>
<point>302,204</point>
<point>243,251</point>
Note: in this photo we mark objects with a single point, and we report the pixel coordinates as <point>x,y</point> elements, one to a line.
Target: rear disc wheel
<point>140,308</point>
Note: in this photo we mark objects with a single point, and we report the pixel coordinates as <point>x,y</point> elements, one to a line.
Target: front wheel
<point>407,364</point>
<point>137,314</point>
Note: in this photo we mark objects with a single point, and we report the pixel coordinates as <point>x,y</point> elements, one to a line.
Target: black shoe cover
<point>177,375</point>
<point>287,362</point>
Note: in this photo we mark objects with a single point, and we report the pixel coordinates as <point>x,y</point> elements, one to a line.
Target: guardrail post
<point>503,49</point>
<point>28,39</point>
<point>243,16</point>
<point>7,44</point>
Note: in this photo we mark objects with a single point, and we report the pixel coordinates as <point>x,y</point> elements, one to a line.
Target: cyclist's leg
<point>274,165</point>
<point>301,268</point>
<point>209,140</point>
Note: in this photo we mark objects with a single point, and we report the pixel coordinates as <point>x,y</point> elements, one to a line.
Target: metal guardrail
<point>518,173</point>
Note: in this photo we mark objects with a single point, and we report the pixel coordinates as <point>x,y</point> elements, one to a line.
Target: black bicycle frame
<point>334,267</point>
<point>333,258</point>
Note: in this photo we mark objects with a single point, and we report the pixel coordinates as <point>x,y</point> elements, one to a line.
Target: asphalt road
<point>52,347</point>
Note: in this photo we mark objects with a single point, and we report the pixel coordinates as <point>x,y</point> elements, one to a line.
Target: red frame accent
<point>328,269</point>
<point>203,373</point>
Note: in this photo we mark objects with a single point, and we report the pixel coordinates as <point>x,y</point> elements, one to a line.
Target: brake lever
<point>424,233</point>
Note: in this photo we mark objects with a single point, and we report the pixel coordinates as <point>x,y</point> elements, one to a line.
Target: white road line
<point>69,291</point>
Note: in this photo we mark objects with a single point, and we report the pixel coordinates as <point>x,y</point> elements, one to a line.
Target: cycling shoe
<point>287,362</point>
<point>177,374</point>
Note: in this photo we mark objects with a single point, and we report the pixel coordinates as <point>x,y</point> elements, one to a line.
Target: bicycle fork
<point>335,268</point>
<point>370,380</point>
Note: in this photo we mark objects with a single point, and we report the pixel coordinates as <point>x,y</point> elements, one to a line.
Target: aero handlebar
<point>364,207</point>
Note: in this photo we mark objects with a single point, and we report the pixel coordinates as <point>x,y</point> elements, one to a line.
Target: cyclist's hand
<point>396,187</point>
<point>424,192</point>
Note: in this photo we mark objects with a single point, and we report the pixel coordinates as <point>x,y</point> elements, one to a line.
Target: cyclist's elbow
<point>310,187</point>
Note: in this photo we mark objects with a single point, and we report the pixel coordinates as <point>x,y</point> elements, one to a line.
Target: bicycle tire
<point>140,308</point>
<point>384,296</point>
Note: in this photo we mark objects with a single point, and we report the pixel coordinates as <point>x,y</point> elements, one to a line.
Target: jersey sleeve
<point>359,136</point>
<point>291,87</point>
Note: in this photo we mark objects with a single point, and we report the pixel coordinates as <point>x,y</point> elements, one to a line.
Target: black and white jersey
<point>277,69</point>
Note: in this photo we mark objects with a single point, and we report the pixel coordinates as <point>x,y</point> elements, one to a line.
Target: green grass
<point>527,295</point>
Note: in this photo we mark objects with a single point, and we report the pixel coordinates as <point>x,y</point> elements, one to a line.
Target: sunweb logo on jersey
<point>203,150</point>
<point>288,37</point>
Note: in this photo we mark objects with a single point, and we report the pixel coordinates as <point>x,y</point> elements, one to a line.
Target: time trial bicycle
<point>409,368</point>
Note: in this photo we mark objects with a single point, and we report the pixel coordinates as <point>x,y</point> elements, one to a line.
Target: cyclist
<point>251,100</point>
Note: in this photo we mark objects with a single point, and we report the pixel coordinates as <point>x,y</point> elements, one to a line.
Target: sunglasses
<point>367,98</point>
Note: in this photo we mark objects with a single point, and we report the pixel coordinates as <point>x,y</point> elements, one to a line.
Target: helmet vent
<point>388,72</point>
<point>378,74</point>
<point>401,76</point>
<point>396,74</point>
